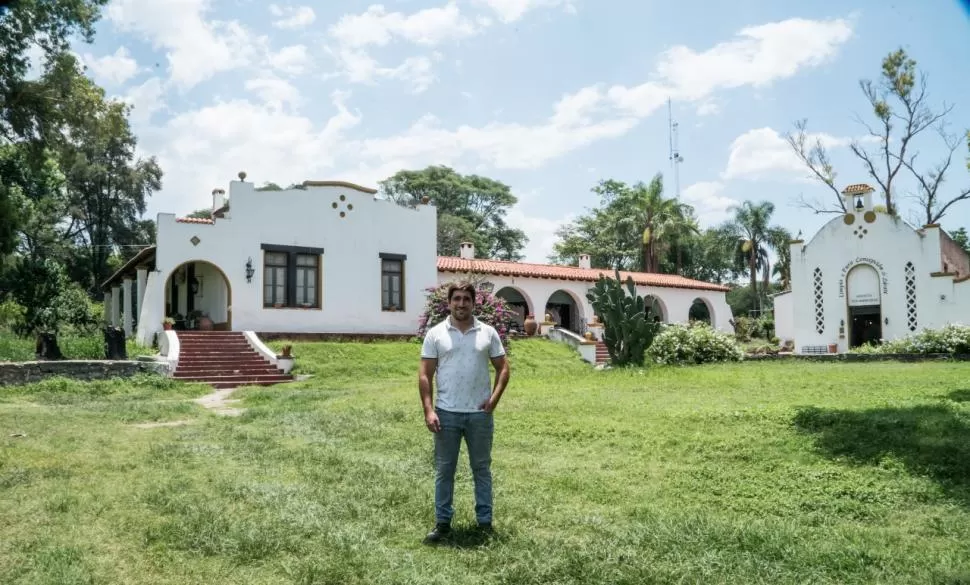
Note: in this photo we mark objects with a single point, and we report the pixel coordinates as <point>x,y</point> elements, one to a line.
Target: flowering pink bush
<point>488,308</point>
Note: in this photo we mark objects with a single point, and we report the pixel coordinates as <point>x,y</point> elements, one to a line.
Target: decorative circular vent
<point>870,216</point>
<point>346,206</point>
<point>848,218</point>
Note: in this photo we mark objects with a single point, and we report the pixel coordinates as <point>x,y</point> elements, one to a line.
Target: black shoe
<point>441,530</point>
<point>486,527</point>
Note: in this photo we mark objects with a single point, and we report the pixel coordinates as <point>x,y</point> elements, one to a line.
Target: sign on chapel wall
<point>866,285</point>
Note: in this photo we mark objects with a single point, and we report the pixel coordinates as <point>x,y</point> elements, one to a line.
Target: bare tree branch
<point>817,160</point>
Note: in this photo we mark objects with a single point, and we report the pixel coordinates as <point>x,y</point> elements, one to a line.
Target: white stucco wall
<point>350,264</point>
<point>675,302</point>
<point>784,318</point>
<point>886,245</point>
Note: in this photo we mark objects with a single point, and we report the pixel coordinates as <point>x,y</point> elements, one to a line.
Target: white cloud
<point>709,107</point>
<point>196,48</point>
<point>710,206</point>
<point>541,232</point>
<point>205,148</point>
<point>761,56</point>
<point>292,60</point>
<point>360,67</point>
<point>513,10</point>
<point>762,151</point>
<point>504,146</point>
<point>112,69</point>
<point>353,34</point>
<point>292,17</point>
<point>146,99</point>
<point>275,92</point>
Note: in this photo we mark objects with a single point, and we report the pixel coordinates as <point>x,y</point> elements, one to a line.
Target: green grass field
<point>774,472</point>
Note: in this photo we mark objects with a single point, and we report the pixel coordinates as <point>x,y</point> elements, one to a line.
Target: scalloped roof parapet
<point>345,184</point>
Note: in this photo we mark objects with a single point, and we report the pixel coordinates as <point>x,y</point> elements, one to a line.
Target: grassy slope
<point>74,347</point>
<point>749,473</point>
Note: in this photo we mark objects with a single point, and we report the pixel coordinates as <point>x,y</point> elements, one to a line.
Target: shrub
<point>488,309</point>
<point>743,328</point>
<point>695,344</point>
<point>951,339</point>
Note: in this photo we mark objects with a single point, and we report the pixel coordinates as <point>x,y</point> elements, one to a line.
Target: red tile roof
<point>194,220</point>
<point>522,269</point>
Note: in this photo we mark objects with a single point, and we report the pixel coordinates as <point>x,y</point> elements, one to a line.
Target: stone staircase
<point>223,359</point>
<point>602,354</point>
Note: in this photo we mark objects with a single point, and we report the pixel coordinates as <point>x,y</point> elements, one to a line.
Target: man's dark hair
<point>465,286</point>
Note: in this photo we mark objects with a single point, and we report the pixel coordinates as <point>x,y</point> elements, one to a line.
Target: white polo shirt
<point>463,362</point>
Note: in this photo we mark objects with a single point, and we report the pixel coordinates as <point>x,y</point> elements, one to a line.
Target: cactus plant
<point>629,326</point>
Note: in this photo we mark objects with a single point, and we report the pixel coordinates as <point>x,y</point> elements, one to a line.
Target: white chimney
<point>584,261</point>
<point>218,199</point>
<point>467,250</point>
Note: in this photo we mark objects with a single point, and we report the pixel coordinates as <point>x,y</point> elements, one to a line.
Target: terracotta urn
<point>530,325</point>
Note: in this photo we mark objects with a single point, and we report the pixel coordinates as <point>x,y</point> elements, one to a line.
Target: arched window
<point>819,312</point>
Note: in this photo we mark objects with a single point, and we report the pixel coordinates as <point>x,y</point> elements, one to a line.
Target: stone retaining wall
<point>16,373</point>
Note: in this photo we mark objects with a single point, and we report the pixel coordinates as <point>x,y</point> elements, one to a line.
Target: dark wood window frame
<point>292,252</point>
<point>401,260</point>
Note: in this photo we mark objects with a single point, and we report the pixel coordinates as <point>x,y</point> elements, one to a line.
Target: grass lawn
<point>775,472</point>
<point>74,347</point>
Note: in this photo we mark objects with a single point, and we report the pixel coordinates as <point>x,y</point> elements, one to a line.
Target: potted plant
<point>167,323</point>
<point>530,324</point>
<point>284,360</point>
<point>205,323</point>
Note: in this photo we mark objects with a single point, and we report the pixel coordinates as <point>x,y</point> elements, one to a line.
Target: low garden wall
<point>863,357</point>
<point>17,373</point>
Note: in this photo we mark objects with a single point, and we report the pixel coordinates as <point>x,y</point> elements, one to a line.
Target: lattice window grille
<point>910,274</point>
<point>819,312</point>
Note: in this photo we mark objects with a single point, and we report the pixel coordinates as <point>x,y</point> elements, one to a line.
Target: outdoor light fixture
<point>486,287</point>
<point>249,270</point>
<point>858,203</point>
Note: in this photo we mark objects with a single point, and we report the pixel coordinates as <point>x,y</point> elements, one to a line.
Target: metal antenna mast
<point>675,158</point>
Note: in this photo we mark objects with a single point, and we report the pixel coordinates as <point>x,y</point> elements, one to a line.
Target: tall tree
<point>899,103</point>
<point>751,228</point>
<point>28,113</point>
<point>637,223</point>
<point>481,202</point>
<point>107,184</point>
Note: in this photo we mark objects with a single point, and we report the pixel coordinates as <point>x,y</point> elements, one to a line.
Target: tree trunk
<point>754,273</point>
<point>47,348</point>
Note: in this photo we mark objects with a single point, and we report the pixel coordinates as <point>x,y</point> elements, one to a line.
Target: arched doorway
<point>864,303</point>
<point>197,289</point>
<point>517,302</point>
<point>657,308</point>
<point>700,310</point>
<point>566,311</point>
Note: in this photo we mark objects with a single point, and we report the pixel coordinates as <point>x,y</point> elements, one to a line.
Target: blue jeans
<point>476,428</point>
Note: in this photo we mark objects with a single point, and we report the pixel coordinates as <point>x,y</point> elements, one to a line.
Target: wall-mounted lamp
<point>250,271</point>
<point>486,287</point>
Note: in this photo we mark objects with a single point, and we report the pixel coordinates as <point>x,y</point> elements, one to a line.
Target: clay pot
<point>833,348</point>
<point>205,324</point>
<point>530,325</point>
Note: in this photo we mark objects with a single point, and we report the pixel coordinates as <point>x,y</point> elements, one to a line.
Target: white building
<point>867,276</point>
<point>329,257</point>
<point>560,291</point>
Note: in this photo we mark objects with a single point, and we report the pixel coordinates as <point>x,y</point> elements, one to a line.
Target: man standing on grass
<point>459,349</point>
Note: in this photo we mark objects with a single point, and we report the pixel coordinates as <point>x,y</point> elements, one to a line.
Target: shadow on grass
<point>962,395</point>
<point>470,537</point>
<point>930,440</point>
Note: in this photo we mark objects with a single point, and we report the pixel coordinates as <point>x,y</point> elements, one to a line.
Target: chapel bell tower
<point>858,203</point>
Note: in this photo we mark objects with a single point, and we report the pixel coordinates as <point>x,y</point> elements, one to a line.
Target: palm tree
<point>751,228</point>
<point>779,239</point>
<point>662,221</point>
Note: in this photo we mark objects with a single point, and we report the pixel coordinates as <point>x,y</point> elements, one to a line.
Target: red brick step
<point>223,359</point>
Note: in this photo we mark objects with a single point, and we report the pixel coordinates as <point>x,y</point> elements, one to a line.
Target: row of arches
<point>567,311</point>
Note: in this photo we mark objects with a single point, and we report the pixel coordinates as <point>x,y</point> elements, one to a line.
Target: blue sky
<point>549,96</point>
